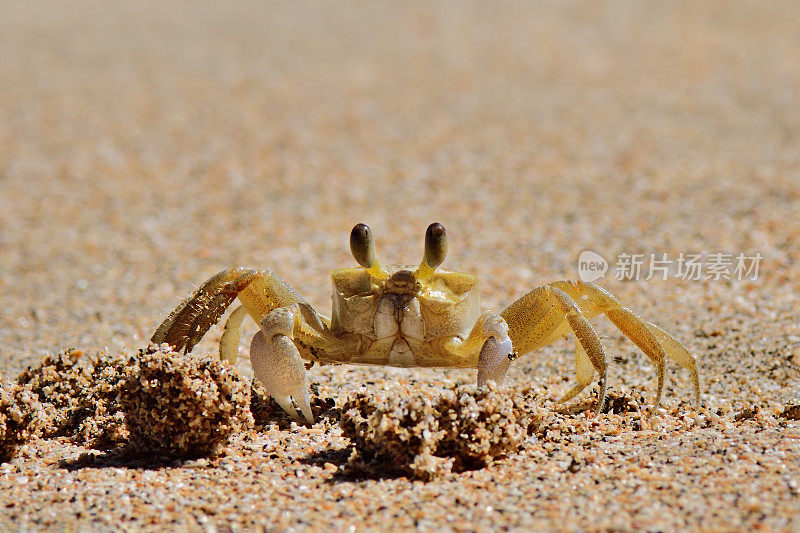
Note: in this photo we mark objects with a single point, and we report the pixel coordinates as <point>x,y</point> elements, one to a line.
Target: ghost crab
<point>404,316</point>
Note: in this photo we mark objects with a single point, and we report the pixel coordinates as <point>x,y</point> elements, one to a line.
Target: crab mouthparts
<point>402,282</point>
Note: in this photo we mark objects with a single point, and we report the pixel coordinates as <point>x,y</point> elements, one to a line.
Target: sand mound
<point>156,401</point>
<point>60,383</point>
<point>76,397</point>
<point>19,420</point>
<point>465,429</point>
<point>183,405</point>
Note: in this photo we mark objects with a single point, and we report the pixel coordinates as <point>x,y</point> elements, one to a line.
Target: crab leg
<point>229,342</point>
<point>530,316</point>
<point>260,291</point>
<point>277,363</point>
<point>548,313</point>
<point>656,343</point>
<point>187,324</point>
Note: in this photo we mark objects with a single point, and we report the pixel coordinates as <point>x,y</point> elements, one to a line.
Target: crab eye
<point>362,245</point>
<point>435,245</point>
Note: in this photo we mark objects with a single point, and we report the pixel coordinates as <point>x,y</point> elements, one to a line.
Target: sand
<point>145,147</point>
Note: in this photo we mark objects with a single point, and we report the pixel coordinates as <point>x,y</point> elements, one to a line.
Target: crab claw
<point>277,364</point>
<point>496,354</point>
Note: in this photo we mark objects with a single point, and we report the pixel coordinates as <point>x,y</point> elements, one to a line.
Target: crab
<point>404,316</point>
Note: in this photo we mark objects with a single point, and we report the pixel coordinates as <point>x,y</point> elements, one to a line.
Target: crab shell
<point>404,309</point>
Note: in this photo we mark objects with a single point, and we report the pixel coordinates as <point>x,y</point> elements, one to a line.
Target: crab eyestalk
<point>362,246</point>
<point>435,251</point>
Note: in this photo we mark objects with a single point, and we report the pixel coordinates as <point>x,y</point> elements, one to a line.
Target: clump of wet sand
<point>76,397</point>
<point>61,383</point>
<point>157,400</point>
<point>19,419</point>
<point>464,429</point>
<point>183,405</point>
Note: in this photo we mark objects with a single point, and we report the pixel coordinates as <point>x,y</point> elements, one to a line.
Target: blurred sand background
<point>145,146</point>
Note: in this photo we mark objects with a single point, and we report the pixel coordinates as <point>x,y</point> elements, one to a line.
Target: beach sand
<point>146,146</point>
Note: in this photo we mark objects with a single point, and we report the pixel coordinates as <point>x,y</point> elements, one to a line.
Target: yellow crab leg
<point>229,342</point>
<point>187,324</point>
<point>656,343</point>
<point>260,291</point>
<point>548,313</point>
